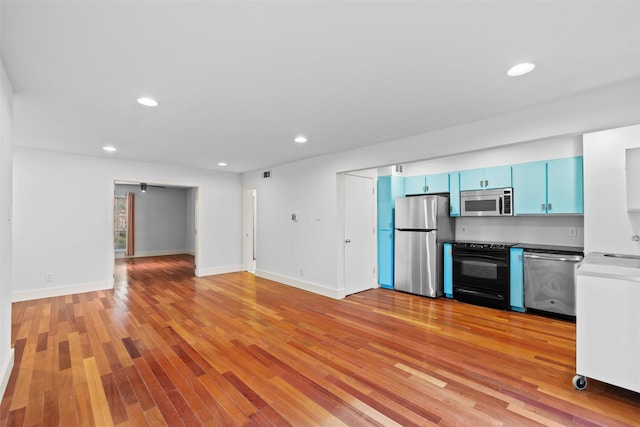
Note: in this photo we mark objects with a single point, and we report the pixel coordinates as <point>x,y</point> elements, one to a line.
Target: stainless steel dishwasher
<point>550,280</point>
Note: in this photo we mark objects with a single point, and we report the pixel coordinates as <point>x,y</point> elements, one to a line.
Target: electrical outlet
<point>573,232</point>
<point>48,277</point>
<point>301,272</point>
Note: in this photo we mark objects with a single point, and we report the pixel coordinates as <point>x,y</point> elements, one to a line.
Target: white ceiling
<point>238,80</point>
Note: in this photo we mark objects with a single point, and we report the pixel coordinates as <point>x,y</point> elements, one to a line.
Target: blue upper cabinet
<point>548,187</point>
<point>438,183</point>
<point>565,191</point>
<point>390,187</point>
<point>385,203</point>
<point>426,184</point>
<point>530,188</point>
<point>415,184</point>
<point>454,194</point>
<point>486,178</point>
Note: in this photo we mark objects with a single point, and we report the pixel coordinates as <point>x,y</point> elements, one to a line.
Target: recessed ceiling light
<point>520,69</point>
<point>222,164</point>
<point>109,148</point>
<point>300,139</point>
<point>149,102</point>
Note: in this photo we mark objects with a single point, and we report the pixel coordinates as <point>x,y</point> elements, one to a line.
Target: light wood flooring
<point>167,348</point>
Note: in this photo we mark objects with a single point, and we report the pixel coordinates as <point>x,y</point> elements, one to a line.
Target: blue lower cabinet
<point>385,258</point>
<point>516,272</point>
<point>448,271</point>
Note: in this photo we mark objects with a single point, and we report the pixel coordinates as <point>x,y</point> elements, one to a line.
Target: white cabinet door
<point>608,330</point>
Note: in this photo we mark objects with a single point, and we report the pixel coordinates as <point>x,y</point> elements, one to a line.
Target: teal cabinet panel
<point>425,184</point>
<point>385,258</point>
<point>565,186</point>
<point>549,187</point>
<point>389,187</point>
<point>497,177</point>
<point>385,203</point>
<point>415,185</point>
<point>483,179</point>
<point>397,187</point>
<point>448,270</point>
<point>454,194</point>
<point>516,277</point>
<point>472,179</point>
<point>438,183</point>
<point>530,188</point>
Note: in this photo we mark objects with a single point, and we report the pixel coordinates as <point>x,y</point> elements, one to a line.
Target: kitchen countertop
<point>626,267</point>
<point>551,248</point>
<point>533,246</point>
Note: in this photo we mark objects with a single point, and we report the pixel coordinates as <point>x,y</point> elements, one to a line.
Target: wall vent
<point>399,168</point>
<point>266,174</point>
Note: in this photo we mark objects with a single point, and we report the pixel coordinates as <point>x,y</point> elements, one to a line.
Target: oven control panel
<point>483,245</point>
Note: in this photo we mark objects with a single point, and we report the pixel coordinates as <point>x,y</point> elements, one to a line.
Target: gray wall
<point>163,217</point>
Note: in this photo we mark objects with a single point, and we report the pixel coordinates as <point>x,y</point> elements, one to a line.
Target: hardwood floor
<point>167,348</point>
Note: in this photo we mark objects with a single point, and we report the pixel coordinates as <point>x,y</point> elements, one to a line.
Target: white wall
<point>608,225</point>
<point>160,219</point>
<point>312,186</point>
<point>63,215</point>
<point>286,247</point>
<point>190,245</point>
<point>6,125</point>
<point>548,148</point>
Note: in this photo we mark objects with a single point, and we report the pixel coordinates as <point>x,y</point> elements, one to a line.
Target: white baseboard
<point>202,272</point>
<point>5,371</point>
<point>61,290</point>
<point>300,284</point>
<point>161,253</point>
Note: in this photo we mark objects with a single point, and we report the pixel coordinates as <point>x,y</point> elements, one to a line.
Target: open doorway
<point>152,220</point>
<point>249,229</point>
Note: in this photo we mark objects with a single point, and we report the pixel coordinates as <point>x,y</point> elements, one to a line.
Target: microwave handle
<point>500,205</point>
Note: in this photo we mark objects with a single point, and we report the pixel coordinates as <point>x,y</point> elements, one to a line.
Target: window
<point>120,223</point>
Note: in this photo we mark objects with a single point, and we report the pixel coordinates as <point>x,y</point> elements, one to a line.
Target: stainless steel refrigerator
<point>422,226</point>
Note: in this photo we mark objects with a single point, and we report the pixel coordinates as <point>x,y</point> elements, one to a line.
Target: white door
<point>359,247</point>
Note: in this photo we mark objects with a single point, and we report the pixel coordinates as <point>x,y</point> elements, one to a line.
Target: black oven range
<point>481,273</point>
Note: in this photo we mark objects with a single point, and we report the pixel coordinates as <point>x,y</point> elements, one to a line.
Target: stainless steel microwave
<point>496,202</point>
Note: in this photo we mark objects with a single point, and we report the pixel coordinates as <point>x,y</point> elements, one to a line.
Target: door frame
<point>111,257</point>
<point>249,216</point>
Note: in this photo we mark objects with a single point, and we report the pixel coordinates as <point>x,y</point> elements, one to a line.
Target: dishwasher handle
<point>553,257</point>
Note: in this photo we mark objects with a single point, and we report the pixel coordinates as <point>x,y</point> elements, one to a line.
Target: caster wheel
<point>579,382</point>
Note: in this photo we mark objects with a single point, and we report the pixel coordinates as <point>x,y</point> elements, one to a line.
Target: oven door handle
<point>470,256</point>
<point>499,297</point>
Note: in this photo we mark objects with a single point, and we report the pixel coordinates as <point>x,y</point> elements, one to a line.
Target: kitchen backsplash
<point>549,230</point>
